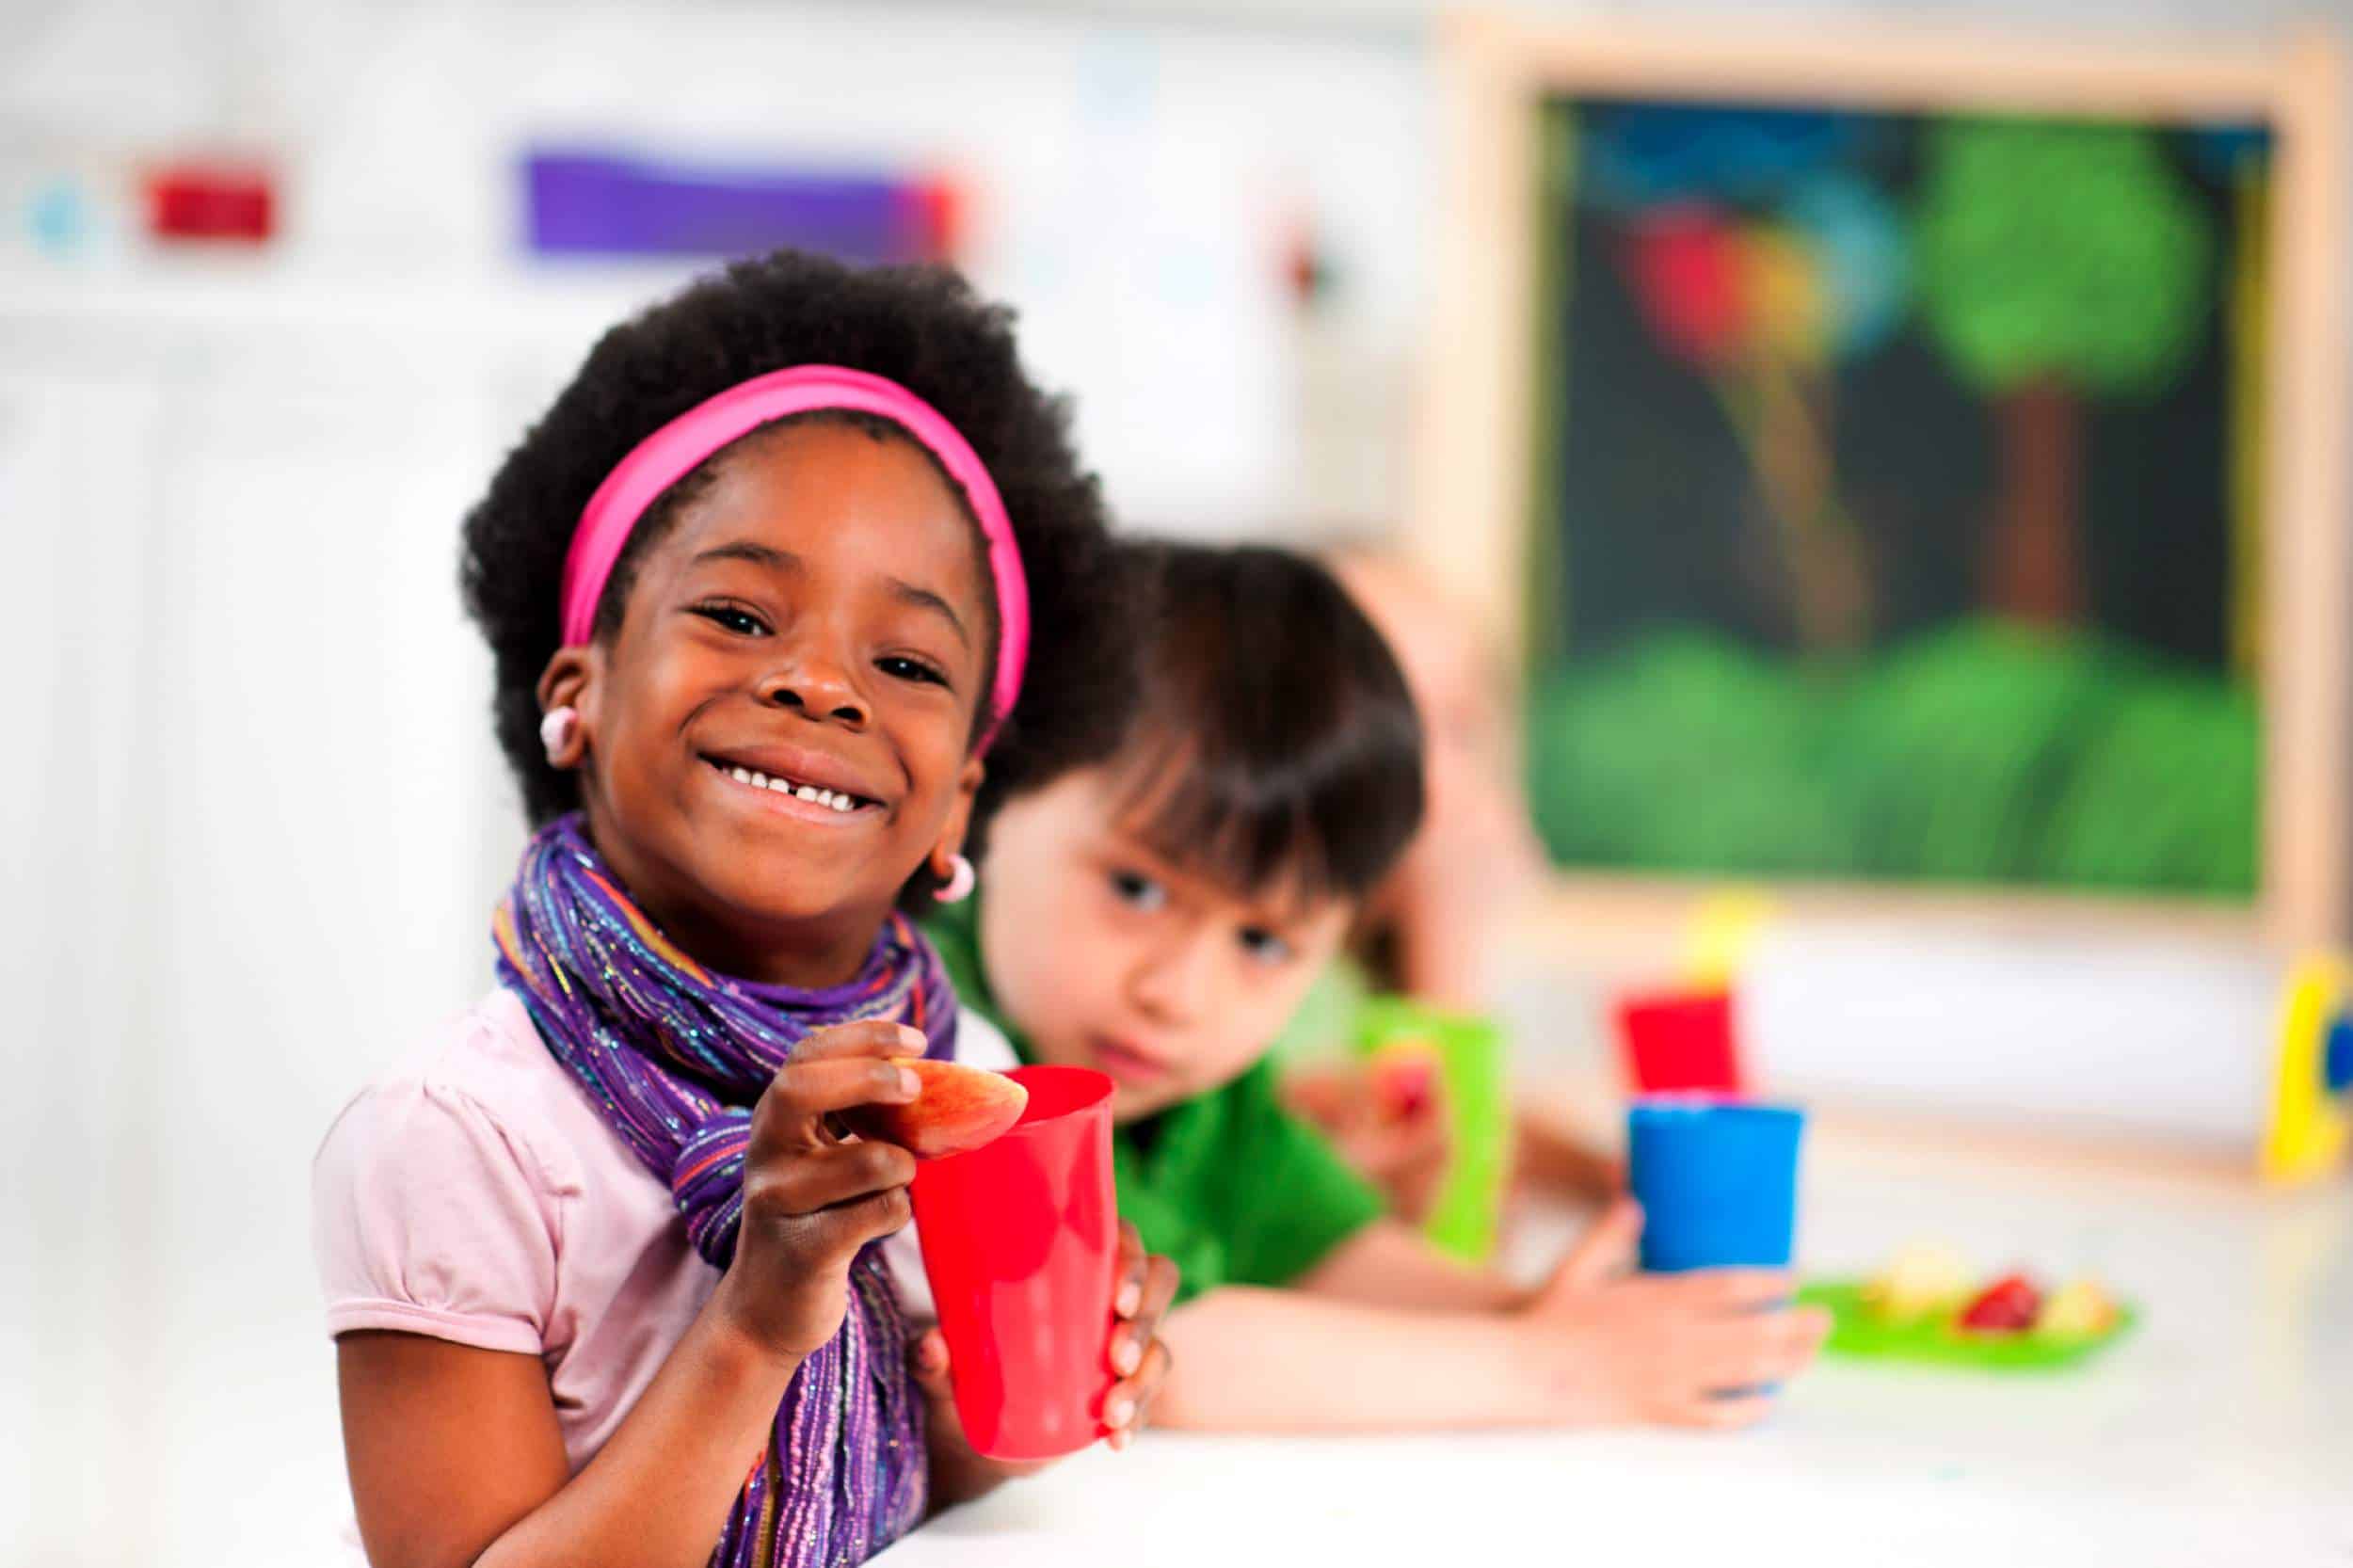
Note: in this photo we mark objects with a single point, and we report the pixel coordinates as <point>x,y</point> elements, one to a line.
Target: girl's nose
<point>816,687</point>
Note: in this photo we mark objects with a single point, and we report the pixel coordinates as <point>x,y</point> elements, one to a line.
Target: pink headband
<point>673,451</point>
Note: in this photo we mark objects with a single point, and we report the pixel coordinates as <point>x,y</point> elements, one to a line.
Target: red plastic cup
<point>1679,1042</point>
<point>1021,1241</point>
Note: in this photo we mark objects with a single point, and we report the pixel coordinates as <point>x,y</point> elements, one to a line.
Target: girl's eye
<point>1138,891</point>
<point>909,669</point>
<point>736,619</point>
<point>1265,946</point>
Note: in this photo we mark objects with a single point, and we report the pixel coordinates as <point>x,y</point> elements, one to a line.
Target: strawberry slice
<point>2009,1305</point>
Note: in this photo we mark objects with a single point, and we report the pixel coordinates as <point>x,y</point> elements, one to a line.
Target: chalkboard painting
<point>1898,505</point>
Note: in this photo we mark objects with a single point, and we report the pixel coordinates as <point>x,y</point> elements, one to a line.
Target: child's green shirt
<point>1232,1187</point>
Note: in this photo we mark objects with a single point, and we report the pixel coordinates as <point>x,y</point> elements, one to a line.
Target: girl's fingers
<point>1147,1282</point>
<point>792,1109</point>
<point>1137,1334</point>
<point>1124,1406</point>
<point>871,1218</point>
<point>866,1037</point>
<point>830,1237</point>
<point>930,1362</point>
<point>1159,1290</point>
<point>823,1178</point>
<point>1130,1341</point>
<point>1129,1298</point>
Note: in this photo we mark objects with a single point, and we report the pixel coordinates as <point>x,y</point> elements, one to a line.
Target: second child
<point>1159,915</point>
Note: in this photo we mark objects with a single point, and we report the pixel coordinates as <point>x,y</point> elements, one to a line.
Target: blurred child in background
<point>1160,915</point>
<point>1430,929</point>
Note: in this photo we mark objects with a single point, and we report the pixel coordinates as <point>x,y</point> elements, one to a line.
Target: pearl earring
<point>959,884</point>
<point>556,730</point>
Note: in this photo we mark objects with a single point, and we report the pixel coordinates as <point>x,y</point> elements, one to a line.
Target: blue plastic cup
<point>1717,1180</point>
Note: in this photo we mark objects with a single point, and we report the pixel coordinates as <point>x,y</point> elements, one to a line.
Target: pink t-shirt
<point>476,1195</point>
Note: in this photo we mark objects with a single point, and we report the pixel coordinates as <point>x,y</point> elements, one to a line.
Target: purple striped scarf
<point>674,1056</point>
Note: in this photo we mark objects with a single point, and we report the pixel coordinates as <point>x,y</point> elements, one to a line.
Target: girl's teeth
<point>835,799</point>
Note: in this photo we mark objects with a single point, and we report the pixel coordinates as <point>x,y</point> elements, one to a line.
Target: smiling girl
<point>796,576</point>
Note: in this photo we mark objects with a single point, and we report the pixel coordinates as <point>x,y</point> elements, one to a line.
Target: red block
<point>202,201</point>
<point>1679,1042</point>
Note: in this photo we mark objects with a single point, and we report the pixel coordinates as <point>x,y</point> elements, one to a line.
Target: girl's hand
<point>1147,1283</point>
<point>1698,1350</point>
<point>958,1473</point>
<point>1146,1286</point>
<point>812,1196</point>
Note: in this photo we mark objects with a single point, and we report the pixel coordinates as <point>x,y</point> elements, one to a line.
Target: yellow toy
<point>2308,1129</point>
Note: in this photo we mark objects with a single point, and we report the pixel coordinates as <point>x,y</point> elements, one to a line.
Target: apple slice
<point>960,1108</point>
<point>2077,1310</point>
<point>1923,1280</point>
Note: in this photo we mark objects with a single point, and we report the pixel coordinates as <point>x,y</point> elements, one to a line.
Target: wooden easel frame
<point>1471,508</point>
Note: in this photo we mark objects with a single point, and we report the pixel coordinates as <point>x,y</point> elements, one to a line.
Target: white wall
<point>250,818</point>
<point>252,824</point>
<point>1131,185</point>
<point>254,819</point>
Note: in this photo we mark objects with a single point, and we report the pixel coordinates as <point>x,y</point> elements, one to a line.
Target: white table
<point>2220,1434</point>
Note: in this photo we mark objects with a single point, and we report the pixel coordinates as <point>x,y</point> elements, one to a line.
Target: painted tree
<point>2054,261</point>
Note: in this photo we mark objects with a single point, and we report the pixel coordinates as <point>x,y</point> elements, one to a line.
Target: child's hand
<point>1146,1286</point>
<point>958,1473</point>
<point>1699,1349</point>
<point>1549,1158</point>
<point>813,1198</point>
<point>1398,1143</point>
<point>1147,1283</point>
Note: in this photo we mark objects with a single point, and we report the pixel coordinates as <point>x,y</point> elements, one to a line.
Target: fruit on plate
<point>960,1108</point>
<point>1920,1282</point>
<point>2080,1309</point>
<point>2009,1305</point>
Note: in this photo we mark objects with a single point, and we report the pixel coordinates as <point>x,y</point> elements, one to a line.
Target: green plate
<point>1856,1331</point>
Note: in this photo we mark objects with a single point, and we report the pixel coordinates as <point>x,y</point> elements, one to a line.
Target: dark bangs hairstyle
<point>1275,745</point>
<point>921,327</point>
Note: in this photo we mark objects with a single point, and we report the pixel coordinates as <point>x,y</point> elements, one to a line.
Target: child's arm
<point>1251,1359</point>
<point>455,1453</point>
<point>1388,1265</point>
<point>456,1458</point>
<point>1592,1347</point>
